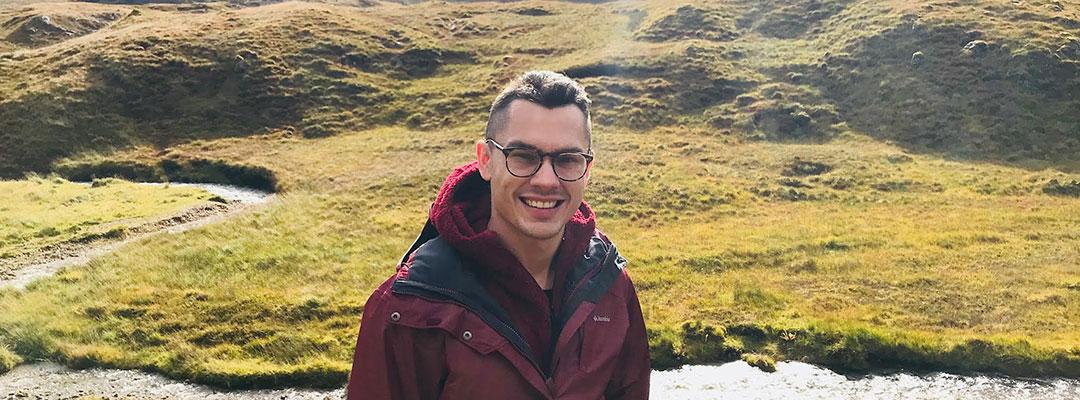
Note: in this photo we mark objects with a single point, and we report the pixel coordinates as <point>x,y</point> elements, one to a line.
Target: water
<point>795,380</point>
<point>227,192</point>
<point>736,380</point>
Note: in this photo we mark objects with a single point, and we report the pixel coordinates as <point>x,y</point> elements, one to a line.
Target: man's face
<point>522,207</point>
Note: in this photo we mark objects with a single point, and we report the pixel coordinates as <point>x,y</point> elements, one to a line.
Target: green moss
<point>762,362</point>
<point>662,352</point>
<point>862,350</point>
<point>702,343</point>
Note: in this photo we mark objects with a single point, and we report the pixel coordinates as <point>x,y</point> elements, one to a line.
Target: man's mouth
<point>541,204</point>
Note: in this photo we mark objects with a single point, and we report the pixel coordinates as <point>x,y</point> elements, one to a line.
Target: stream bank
<point>734,380</point>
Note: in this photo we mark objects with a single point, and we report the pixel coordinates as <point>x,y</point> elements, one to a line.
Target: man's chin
<point>544,231</point>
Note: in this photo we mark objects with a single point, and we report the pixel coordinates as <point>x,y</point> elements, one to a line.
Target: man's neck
<point>534,254</point>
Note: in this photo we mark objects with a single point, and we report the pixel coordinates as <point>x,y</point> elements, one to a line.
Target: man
<point>510,292</point>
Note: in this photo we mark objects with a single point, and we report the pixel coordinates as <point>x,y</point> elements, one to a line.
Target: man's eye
<point>570,159</point>
<point>524,156</point>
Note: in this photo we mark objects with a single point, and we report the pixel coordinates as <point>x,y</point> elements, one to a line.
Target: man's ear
<point>483,159</point>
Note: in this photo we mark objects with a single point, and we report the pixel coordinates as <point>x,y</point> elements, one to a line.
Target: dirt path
<point>19,271</point>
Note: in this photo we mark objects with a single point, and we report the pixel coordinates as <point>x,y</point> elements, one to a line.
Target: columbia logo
<point>598,318</point>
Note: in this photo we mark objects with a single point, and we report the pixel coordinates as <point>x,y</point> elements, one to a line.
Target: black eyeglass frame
<point>506,160</point>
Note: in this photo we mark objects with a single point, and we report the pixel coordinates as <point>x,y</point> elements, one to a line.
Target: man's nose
<point>545,177</point>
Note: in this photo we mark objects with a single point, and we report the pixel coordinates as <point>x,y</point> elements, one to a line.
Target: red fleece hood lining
<point>463,207</point>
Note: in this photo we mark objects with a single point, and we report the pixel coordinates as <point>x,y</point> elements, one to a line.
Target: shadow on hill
<point>160,91</point>
<point>787,19</point>
<point>952,90</point>
<point>644,93</point>
<point>132,100</point>
<point>690,22</point>
<point>193,170</point>
<point>932,87</point>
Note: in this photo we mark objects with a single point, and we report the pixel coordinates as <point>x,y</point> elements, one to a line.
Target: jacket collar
<point>437,272</point>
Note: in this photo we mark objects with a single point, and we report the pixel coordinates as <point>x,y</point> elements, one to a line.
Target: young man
<point>510,292</point>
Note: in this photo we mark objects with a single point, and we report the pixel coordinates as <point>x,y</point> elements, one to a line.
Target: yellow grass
<point>39,212</point>
<point>908,224</point>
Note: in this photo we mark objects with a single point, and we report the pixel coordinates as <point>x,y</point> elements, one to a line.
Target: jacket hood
<point>461,212</point>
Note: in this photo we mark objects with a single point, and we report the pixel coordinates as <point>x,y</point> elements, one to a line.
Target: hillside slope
<point>932,76</point>
<point>859,184</point>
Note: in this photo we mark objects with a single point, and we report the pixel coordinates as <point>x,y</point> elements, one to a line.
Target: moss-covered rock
<point>760,361</point>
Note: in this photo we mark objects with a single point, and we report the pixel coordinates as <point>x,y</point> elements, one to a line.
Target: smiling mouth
<point>541,204</point>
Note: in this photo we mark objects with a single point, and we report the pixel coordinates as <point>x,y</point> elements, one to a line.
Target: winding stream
<point>796,380</point>
<point>227,192</point>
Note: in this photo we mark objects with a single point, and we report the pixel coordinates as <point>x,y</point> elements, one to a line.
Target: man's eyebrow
<point>520,144</point>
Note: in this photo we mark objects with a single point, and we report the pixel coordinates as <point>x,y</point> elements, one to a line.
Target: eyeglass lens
<point>525,162</point>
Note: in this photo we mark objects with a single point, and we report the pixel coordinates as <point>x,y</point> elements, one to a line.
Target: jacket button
<point>395,316</point>
<point>467,335</point>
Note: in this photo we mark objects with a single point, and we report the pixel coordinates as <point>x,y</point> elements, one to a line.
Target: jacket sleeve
<point>631,380</point>
<point>394,361</point>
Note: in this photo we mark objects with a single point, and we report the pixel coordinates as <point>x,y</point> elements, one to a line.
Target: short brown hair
<point>546,88</point>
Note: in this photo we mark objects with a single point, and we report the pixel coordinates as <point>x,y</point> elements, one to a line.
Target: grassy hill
<point>87,77</point>
<point>868,184</point>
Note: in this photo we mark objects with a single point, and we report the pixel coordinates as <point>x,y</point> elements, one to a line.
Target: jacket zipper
<point>577,286</point>
<point>586,277</point>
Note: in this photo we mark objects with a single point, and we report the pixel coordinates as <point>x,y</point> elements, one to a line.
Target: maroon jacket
<point>462,319</point>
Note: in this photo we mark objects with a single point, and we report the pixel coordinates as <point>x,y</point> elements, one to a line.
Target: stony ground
<point>47,381</point>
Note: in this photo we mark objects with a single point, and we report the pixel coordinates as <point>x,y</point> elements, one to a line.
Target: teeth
<point>540,204</point>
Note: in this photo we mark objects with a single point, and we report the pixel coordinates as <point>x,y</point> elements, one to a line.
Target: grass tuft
<point>8,359</point>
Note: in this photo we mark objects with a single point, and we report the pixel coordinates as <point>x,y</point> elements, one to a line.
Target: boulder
<point>917,59</point>
<point>976,47</point>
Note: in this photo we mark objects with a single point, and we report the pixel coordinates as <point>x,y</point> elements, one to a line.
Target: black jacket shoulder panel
<point>437,261</point>
<point>436,272</point>
<point>592,277</point>
<point>437,266</point>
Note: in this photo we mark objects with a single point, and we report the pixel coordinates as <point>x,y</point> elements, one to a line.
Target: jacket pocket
<point>602,338</point>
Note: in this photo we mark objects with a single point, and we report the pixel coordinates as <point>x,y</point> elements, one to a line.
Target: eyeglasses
<point>523,162</point>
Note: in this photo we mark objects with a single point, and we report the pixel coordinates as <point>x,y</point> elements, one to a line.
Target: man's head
<point>540,112</point>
